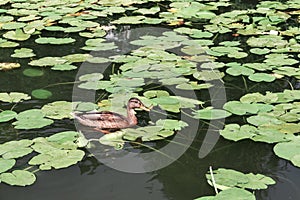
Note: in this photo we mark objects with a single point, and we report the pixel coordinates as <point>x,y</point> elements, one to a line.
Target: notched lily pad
<point>18,178</point>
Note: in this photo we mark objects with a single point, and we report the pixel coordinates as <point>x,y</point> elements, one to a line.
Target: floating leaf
<point>235,193</point>
<point>9,66</point>
<point>13,25</point>
<point>63,67</point>
<point>91,77</point>
<point>63,137</point>
<point>7,115</point>
<point>47,61</point>
<point>58,110</point>
<point>33,72</point>
<point>211,114</point>
<point>13,97</point>
<point>260,51</point>
<point>18,177</point>
<point>23,53</point>
<point>15,149</point>
<point>53,40</point>
<point>6,164</point>
<point>259,77</point>
<point>18,35</point>
<point>41,93</point>
<point>236,132</point>
<point>289,151</point>
<point>113,139</point>
<point>57,159</point>
<point>239,108</point>
<point>31,119</point>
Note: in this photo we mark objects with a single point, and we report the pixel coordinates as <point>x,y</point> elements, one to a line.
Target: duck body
<point>106,121</point>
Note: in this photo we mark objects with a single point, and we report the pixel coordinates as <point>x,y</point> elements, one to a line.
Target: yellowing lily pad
<point>8,66</point>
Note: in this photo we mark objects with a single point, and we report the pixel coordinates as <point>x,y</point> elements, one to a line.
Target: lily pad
<point>23,53</point>
<point>57,159</point>
<point>58,110</point>
<point>64,67</point>
<point>259,77</point>
<point>18,35</point>
<point>239,108</point>
<point>9,66</point>
<point>210,114</point>
<point>47,61</point>
<point>14,97</point>
<point>236,132</point>
<point>53,40</point>
<point>289,151</point>
<point>15,149</point>
<point>31,119</point>
<point>6,164</point>
<point>41,94</point>
<point>7,115</point>
<point>33,72</point>
<point>18,178</point>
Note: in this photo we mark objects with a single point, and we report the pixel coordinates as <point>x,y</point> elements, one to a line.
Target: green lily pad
<point>47,61</point>
<point>113,139</point>
<point>7,115</point>
<point>33,72</point>
<point>13,25</point>
<point>171,124</point>
<point>64,67</point>
<point>211,114</point>
<point>235,193</point>
<point>18,35</point>
<point>63,137</point>
<point>207,75</point>
<point>6,164</point>
<point>15,149</point>
<point>14,97</point>
<point>58,110</point>
<point>289,151</point>
<point>18,178</point>
<point>98,60</point>
<point>23,53</point>
<point>57,159</point>
<point>53,40</point>
<point>260,51</point>
<point>239,108</point>
<point>91,77</point>
<point>259,77</point>
<point>7,44</point>
<point>31,119</point>
<point>76,58</point>
<point>236,132</point>
<point>41,94</point>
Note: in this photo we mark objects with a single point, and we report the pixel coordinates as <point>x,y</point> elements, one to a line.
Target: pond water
<point>182,179</point>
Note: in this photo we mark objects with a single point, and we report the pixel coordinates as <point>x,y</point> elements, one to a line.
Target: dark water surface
<point>183,179</point>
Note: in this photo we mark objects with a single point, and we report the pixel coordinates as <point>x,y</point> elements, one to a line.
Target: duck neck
<point>132,120</point>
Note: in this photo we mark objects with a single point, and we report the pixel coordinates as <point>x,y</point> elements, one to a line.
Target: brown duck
<point>106,121</point>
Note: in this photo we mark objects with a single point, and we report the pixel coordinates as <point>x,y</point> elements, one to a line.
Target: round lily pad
<point>32,72</point>
<point>41,93</point>
<point>7,115</point>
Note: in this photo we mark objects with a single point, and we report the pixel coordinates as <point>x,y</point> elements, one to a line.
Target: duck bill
<point>145,108</point>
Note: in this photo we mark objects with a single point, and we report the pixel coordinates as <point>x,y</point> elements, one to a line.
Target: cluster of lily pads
<point>55,152</point>
<point>269,34</point>
<point>271,118</point>
<point>234,184</point>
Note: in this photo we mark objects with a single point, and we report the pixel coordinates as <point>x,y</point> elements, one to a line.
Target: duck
<point>107,121</point>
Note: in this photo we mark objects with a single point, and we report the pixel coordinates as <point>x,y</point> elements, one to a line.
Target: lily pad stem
<point>213,179</point>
